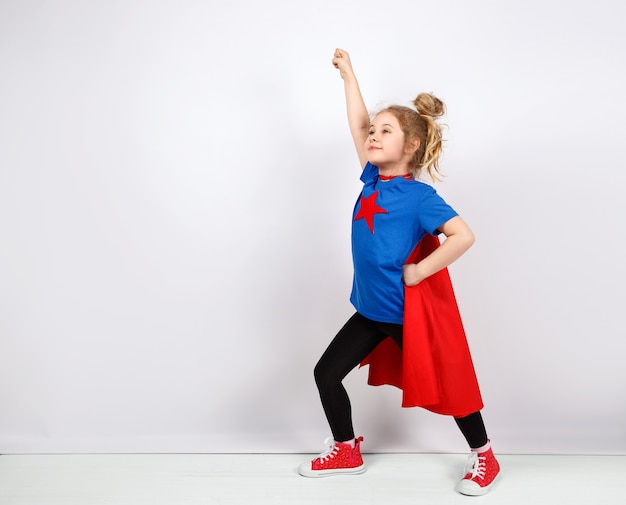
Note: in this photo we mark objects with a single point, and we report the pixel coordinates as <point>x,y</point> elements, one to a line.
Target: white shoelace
<point>476,466</point>
<point>332,449</point>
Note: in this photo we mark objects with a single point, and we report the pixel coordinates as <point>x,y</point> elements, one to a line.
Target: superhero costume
<point>434,368</point>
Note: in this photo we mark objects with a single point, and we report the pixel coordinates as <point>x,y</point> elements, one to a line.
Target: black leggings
<point>354,342</point>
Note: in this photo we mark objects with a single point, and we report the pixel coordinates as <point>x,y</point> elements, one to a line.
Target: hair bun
<point>429,105</point>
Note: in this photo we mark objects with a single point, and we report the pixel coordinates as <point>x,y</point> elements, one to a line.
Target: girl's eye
<point>385,131</point>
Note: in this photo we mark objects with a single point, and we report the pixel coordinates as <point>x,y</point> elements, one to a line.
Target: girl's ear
<point>414,145</point>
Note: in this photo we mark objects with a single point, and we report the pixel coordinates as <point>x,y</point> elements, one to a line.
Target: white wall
<point>176,183</point>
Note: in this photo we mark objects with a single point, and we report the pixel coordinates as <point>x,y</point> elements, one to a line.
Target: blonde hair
<point>421,124</point>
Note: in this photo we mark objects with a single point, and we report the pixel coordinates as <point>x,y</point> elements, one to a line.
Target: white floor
<point>272,479</point>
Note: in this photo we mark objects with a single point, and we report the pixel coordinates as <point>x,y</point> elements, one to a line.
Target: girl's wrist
<point>348,75</point>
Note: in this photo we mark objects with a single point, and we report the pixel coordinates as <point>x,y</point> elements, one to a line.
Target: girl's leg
<point>353,343</point>
<point>473,429</point>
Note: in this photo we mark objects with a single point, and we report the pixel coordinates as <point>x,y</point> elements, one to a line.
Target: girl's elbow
<point>467,239</point>
<point>471,239</point>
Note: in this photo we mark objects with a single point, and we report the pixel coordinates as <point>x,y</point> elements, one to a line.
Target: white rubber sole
<point>305,470</point>
<point>469,488</point>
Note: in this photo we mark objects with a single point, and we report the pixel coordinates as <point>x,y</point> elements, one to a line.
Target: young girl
<point>406,325</point>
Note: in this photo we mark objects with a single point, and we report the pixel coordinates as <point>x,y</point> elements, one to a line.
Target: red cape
<point>434,369</point>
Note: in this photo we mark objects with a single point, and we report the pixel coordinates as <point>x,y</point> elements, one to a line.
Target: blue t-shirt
<point>390,218</point>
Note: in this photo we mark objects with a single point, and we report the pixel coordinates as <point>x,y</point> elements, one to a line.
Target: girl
<point>406,325</point>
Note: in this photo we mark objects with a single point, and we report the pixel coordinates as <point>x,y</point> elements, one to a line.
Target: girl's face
<point>385,143</point>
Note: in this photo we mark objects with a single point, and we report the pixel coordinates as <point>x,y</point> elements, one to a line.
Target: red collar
<point>408,177</point>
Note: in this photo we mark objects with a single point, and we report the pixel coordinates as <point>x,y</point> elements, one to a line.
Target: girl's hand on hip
<point>411,275</point>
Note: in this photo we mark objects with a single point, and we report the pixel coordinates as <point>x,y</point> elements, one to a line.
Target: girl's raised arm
<point>358,118</point>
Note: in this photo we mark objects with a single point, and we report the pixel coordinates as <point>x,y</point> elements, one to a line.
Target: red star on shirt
<point>369,209</point>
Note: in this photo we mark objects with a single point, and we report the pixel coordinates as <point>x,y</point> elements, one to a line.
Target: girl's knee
<point>319,373</point>
<point>325,375</point>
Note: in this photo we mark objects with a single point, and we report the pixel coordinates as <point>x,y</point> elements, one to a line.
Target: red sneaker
<point>481,473</point>
<point>339,459</point>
